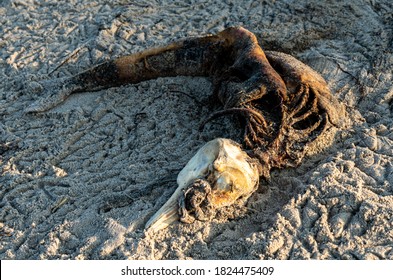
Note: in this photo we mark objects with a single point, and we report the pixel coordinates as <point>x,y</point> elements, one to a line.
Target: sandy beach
<point>81,180</point>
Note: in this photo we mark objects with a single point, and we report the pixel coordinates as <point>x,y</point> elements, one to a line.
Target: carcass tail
<point>190,57</point>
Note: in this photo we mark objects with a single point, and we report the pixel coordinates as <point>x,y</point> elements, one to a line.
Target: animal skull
<point>216,176</point>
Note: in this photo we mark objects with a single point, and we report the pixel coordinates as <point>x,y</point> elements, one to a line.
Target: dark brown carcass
<point>284,105</point>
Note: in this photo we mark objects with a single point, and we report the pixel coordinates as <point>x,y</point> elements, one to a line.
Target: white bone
<point>226,165</point>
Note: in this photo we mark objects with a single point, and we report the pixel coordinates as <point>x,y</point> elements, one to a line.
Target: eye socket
<point>223,182</point>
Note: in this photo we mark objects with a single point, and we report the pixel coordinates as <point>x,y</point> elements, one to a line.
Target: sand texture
<point>81,180</point>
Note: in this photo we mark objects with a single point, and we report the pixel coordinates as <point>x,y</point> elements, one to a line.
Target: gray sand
<point>72,179</point>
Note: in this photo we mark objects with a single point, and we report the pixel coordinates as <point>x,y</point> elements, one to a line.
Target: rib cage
<point>308,111</point>
<point>280,126</point>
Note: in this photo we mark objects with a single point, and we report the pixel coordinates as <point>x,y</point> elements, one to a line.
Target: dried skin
<point>284,105</point>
